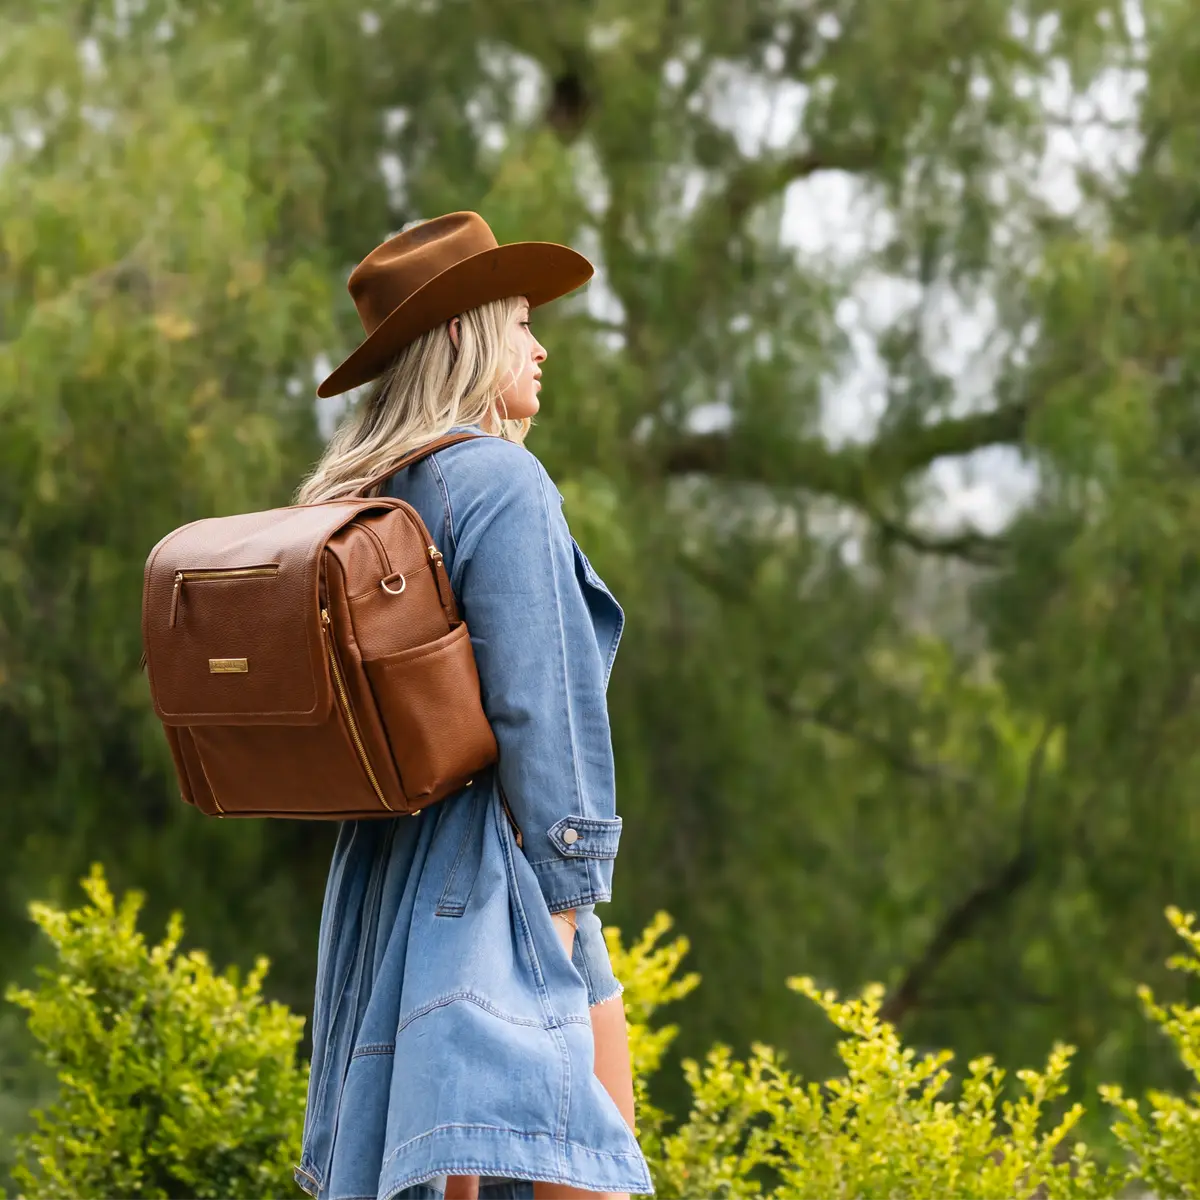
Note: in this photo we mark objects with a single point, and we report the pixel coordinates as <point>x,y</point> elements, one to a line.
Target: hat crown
<point>403,264</point>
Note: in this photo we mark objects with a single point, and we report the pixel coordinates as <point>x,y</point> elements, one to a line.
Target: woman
<point>468,1033</point>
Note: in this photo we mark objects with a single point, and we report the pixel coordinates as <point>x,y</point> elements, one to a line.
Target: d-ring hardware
<point>383,583</point>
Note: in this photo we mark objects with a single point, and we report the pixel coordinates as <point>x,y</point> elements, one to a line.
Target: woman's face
<point>519,396</point>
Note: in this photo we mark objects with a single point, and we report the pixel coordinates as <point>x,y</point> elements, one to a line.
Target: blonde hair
<point>428,389</point>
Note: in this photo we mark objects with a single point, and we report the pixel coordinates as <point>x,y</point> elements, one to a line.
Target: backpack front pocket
<point>429,700</point>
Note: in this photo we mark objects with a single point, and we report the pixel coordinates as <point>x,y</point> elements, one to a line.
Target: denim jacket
<point>451,1032</point>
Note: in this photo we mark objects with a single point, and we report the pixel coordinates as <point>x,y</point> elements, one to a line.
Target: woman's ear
<point>454,329</point>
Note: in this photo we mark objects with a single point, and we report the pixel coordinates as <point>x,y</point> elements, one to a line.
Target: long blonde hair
<point>428,389</point>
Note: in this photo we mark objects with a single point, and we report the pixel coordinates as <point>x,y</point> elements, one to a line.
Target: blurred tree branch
<point>969,544</point>
<point>852,474</point>
<point>958,924</point>
<point>985,900</point>
<point>757,180</point>
<point>897,757</point>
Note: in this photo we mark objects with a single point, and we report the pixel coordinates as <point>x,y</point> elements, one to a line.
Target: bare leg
<point>462,1187</point>
<point>613,1068</point>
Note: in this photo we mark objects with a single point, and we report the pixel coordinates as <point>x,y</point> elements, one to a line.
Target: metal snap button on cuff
<point>570,836</point>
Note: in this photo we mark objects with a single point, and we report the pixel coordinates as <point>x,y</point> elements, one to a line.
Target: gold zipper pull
<point>175,596</point>
<point>441,581</point>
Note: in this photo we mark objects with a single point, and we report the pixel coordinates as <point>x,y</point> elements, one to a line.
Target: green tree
<point>851,741</point>
<point>157,326</point>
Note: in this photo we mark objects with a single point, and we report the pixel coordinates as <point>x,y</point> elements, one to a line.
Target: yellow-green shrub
<point>879,1129</point>
<point>1164,1143</point>
<point>175,1081</point>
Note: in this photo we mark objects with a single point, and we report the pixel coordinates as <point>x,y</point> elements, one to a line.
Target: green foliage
<point>882,1128</point>
<point>173,1080</point>
<point>853,728</point>
<point>1164,1142</point>
<point>896,1123</point>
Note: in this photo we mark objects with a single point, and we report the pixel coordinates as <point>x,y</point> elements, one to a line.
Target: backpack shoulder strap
<point>414,456</point>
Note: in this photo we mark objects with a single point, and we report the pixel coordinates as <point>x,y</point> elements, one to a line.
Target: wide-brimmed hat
<point>436,270</point>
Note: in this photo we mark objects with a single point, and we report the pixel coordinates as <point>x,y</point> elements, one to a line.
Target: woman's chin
<point>513,408</point>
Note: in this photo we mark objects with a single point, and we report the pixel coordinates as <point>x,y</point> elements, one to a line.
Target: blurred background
<point>879,418</point>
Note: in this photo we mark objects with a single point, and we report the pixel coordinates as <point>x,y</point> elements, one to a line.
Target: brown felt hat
<point>436,270</point>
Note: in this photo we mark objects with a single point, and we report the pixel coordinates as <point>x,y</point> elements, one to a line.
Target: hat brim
<point>541,271</point>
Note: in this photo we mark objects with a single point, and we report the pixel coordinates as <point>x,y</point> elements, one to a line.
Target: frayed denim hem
<point>617,991</point>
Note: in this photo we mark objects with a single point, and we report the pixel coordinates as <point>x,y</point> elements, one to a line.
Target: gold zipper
<point>351,723</point>
<point>227,573</point>
<point>182,577</point>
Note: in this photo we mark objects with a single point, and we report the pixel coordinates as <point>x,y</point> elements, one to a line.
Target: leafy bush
<point>881,1129</point>
<point>884,1128</point>
<point>1164,1146</point>
<point>173,1080</point>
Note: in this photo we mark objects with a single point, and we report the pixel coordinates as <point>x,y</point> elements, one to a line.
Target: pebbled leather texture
<point>310,662</point>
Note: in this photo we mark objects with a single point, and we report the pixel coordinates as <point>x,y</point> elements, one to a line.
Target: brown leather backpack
<point>310,661</point>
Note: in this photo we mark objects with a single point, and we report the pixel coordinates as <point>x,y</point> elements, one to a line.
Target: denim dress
<point>451,1032</point>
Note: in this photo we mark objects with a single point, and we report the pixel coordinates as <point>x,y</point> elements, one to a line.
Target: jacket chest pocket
<point>465,833</point>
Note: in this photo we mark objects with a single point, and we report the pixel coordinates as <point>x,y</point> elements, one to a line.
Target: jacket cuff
<point>577,867</point>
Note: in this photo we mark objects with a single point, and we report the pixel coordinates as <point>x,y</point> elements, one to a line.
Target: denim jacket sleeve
<point>541,671</point>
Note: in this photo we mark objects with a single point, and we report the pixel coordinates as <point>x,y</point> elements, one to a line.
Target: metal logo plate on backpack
<point>228,666</point>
